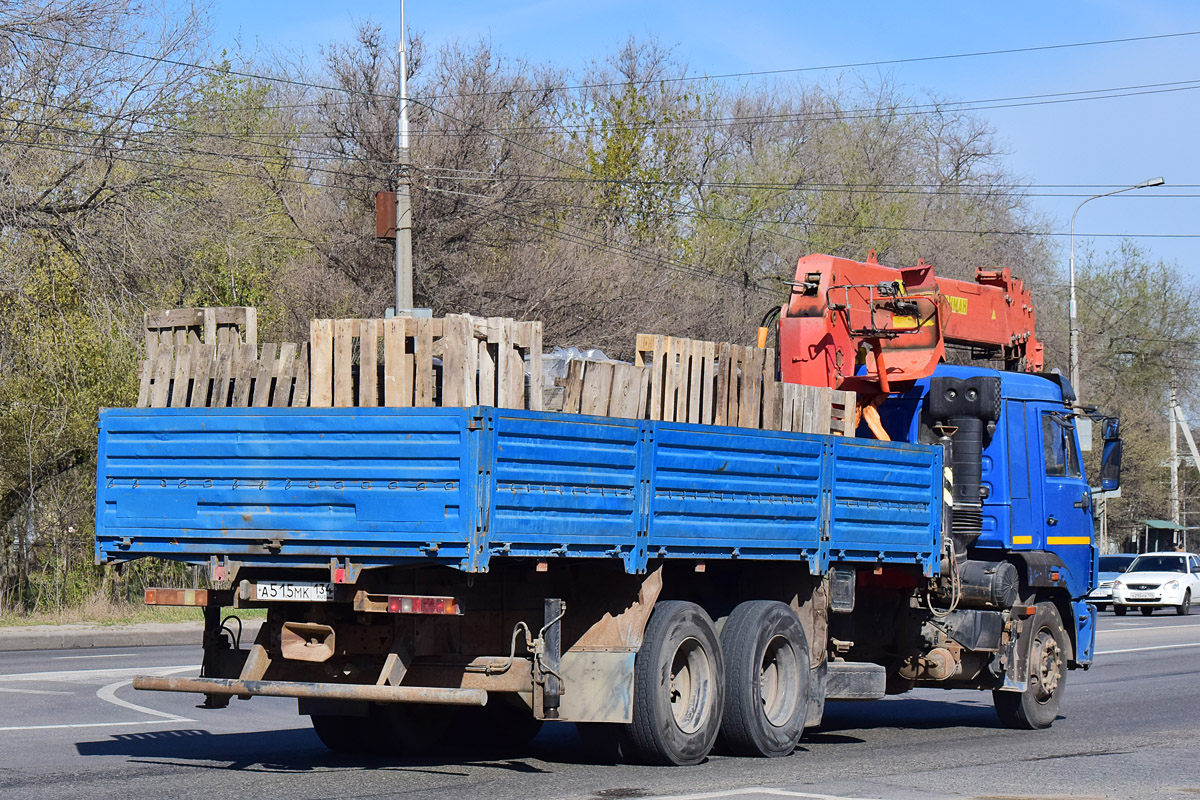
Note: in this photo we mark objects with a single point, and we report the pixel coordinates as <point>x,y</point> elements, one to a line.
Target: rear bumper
<point>324,691</point>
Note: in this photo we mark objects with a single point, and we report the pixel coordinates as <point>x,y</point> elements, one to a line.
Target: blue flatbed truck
<point>472,572</point>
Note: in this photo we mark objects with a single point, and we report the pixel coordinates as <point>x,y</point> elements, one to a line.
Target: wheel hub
<point>690,686</point>
<point>1046,670</point>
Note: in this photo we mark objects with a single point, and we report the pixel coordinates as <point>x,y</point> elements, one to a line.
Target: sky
<point>1118,141</point>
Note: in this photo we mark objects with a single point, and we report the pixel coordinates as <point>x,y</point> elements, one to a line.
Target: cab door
<point>1066,497</point>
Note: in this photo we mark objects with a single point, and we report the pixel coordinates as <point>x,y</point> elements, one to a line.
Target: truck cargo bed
<point>460,486</point>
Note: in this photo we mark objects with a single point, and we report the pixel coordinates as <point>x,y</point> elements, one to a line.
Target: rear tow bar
<point>324,691</point>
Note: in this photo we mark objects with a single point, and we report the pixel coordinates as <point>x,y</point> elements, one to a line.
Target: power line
<point>925,189</point>
<point>826,67</point>
<point>225,70</point>
<point>860,227</point>
<point>180,63</point>
<point>867,113</point>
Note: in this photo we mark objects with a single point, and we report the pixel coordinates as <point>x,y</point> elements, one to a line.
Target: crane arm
<point>898,322</point>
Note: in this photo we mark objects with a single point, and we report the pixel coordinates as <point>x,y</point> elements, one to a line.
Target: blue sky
<point>1115,141</point>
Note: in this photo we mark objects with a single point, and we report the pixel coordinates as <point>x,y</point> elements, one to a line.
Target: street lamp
<point>1073,329</point>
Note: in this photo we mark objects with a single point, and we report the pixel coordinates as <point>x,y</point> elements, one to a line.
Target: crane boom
<point>898,322</point>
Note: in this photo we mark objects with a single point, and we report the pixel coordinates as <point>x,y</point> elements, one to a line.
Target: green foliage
<point>1138,326</point>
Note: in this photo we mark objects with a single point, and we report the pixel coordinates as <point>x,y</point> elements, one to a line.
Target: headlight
<point>1117,584</point>
<point>1171,586</point>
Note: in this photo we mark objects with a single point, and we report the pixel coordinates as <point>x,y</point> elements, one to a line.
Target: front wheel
<point>766,679</point>
<point>679,687</point>
<point>1147,611</point>
<point>1119,610</point>
<point>1185,608</point>
<point>1037,706</point>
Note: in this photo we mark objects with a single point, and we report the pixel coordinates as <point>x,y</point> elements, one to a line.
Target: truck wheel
<point>1119,610</point>
<point>679,687</point>
<point>504,725</point>
<point>1037,706</point>
<point>351,735</point>
<point>1147,611</point>
<point>766,680</point>
<point>1185,608</point>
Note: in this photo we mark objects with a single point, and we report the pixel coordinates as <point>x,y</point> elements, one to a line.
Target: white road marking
<point>1141,628</point>
<point>750,790</point>
<point>104,655</point>
<point>1144,649</point>
<point>109,695</point>
<point>81,675</point>
<point>30,691</point>
<point>90,725</point>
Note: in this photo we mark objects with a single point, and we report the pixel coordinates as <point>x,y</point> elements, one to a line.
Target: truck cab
<point>1035,500</point>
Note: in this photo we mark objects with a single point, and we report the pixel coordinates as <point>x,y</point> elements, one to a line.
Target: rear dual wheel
<point>766,680</point>
<point>679,687</point>
<point>751,686</point>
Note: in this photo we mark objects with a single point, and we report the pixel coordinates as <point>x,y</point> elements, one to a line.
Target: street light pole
<point>1073,329</point>
<point>404,265</point>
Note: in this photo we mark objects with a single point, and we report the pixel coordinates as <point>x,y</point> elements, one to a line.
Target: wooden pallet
<point>231,375</point>
<point>196,326</point>
<point>606,389</point>
<point>391,362</point>
<point>726,384</point>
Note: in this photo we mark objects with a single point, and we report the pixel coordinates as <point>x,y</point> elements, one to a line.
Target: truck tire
<point>504,725</point>
<point>1185,608</point>
<point>679,687</point>
<point>766,680</point>
<point>351,735</point>
<point>1037,706</point>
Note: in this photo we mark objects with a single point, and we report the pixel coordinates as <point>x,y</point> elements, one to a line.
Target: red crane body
<point>898,322</point>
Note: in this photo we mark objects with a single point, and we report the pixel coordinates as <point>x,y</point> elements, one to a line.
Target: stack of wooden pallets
<point>453,361</point>
<point>210,357</point>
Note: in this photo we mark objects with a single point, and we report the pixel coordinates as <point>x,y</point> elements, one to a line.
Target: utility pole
<point>404,262</point>
<point>1174,439</point>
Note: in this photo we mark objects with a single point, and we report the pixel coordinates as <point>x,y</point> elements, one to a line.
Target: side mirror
<point>1110,430</point>
<point>1110,465</point>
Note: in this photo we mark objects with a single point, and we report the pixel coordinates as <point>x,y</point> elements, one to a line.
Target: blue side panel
<point>285,486</point>
<point>886,503</point>
<point>734,493</point>
<point>299,487</point>
<point>563,485</point>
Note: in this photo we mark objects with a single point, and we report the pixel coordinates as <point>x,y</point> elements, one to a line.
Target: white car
<point>1158,580</point>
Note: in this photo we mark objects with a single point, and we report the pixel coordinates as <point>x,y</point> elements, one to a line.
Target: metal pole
<point>1072,309</point>
<point>1174,439</point>
<point>404,263</point>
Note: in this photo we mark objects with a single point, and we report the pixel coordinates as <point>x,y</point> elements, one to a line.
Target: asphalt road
<point>72,727</point>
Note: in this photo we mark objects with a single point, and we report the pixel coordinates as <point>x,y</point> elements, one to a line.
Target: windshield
<point>1159,564</point>
<point>1114,563</point>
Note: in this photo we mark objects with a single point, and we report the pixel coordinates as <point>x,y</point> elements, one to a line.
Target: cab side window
<point>1058,442</point>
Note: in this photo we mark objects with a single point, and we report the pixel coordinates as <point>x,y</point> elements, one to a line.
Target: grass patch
<point>100,611</point>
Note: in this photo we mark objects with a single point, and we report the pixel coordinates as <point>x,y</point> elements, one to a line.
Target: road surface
<point>72,727</point>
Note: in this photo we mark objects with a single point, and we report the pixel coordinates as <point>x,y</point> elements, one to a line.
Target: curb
<point>69,637</point>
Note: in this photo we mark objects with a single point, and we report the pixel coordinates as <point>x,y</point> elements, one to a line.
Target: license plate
<point>1141,595</point>
<point>294,591</point>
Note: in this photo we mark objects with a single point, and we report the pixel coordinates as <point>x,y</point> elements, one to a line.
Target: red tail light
<point>417,604</point>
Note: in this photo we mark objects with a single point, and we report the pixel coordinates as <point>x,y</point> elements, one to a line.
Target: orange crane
<point>872,329</point>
